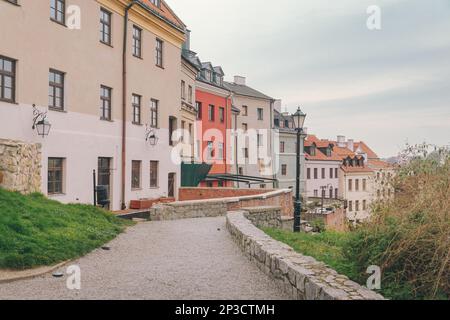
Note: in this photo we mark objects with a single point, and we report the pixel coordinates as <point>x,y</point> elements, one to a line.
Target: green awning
<point>194,173</point>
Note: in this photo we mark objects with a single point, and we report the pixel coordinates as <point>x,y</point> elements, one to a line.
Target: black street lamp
<point>299,120</point>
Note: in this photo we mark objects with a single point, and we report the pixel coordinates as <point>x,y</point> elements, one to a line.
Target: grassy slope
<point>326,247</point>
<point>36,231</point>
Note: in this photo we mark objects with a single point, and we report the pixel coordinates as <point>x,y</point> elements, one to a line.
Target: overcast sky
<point>385,87</point>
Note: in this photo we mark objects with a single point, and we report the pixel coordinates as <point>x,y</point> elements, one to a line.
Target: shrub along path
<point>185,259</point>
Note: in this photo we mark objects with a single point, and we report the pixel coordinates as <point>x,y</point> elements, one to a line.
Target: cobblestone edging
<point>217,207</point>
<point>7,276</point>
<point>300,276</point>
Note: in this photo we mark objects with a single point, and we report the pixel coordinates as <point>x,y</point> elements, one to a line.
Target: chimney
<point>187,42</point>
<point>351,145</point>
<point>239,80</point>
<point>341,141</point>
<point>277,105</point>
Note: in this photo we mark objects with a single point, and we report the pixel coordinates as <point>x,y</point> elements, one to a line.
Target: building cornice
<point>148,19</point>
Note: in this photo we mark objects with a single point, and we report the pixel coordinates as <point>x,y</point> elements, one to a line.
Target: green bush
<point>318,225</point>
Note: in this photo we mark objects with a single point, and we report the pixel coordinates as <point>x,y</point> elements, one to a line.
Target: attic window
<point>313,151</point>
<point>328,152</point>
<point>277,122</point>
<point>208,75</point>
<point>156,3</point>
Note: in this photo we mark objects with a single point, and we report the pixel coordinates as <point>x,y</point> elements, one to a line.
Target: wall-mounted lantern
<point>40,122</point>
<point>151,137</point>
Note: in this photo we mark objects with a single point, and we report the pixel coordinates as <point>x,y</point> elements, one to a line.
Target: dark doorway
<point>171,191</point>
<point>104,174</point>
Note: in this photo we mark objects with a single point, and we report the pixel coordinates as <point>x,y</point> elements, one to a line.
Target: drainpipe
<point>226,133</point>
<point>236,152</point>
<point>276,182</point>
<point>124,101</point>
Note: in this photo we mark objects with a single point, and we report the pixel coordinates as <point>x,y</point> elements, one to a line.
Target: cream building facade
<point>364,178</point>
<point>99,119</point>
<point>188,109</point>
<point>255,123</point>
<point>356,187</point>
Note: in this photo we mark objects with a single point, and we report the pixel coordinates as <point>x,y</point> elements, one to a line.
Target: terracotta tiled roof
<point>379,164</point>
<point>343,152</point>
<point>319,143</point>
<point>165,12</point>
<point>320,156</point>
<point>350,169</point>
<point>365,148</point>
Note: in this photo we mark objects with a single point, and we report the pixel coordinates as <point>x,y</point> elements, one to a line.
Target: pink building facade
<point>322,168</point>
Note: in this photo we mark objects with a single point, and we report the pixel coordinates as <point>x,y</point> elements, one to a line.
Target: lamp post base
<point>297,216</point>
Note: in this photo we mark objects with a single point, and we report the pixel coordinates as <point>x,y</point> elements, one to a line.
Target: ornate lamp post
<point>299,120</point>
<point>40,123</point>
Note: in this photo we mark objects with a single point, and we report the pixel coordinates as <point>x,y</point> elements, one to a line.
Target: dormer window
<point>156,3</point>
<point>328,152</point>
<point>277,122</point>
<point>313,150</point>
<point>208,75</point>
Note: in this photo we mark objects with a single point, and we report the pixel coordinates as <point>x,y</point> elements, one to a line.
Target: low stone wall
<point>188,194</point>
<point>264,217</point>
<point>220,207</point>
<point>302,277</point>
<point>20,166</point>
<point>188,210</point>
<point>279,198</point>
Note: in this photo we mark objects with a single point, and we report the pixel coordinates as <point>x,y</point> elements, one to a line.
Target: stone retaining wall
<point>188,210</point>
<point>220,207</point>
<point>264,217</point>
<point>20,166</point>
<point>302,277</point>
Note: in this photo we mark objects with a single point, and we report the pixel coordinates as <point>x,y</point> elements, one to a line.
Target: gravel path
<point>185,259</point>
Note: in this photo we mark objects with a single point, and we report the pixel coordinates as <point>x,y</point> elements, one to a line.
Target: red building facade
<point>213,103</point>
